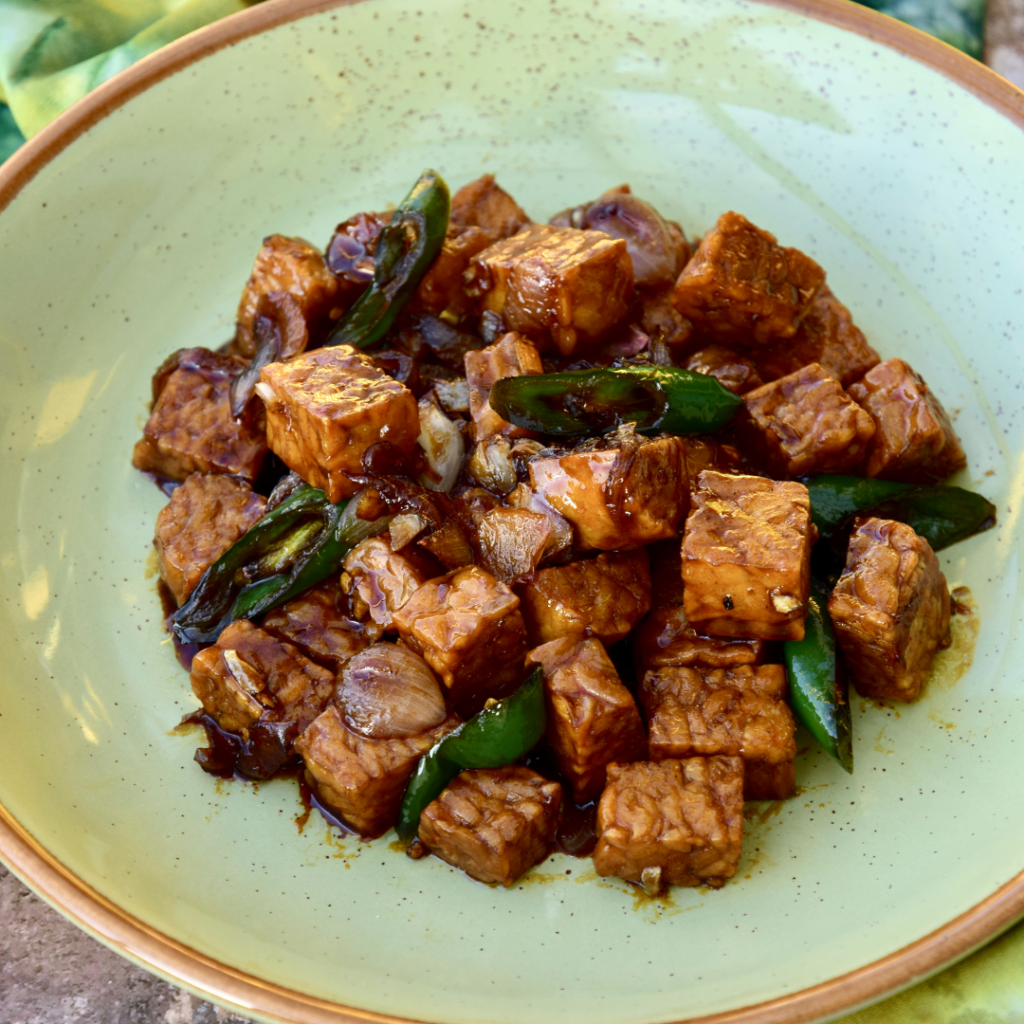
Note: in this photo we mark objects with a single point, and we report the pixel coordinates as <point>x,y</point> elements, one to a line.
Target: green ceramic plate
<point>127,230</point>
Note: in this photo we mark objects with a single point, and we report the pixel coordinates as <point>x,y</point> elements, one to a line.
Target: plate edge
<point>31,862</point>
<point>130,936</point>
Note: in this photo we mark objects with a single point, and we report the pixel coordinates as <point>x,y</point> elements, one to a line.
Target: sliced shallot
<point>442,446</point>
<point>389,691</point>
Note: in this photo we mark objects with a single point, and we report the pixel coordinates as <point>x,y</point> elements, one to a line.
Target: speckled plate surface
<point>127,230</point>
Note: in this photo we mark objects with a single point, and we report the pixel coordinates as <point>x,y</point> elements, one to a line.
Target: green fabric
<point>961,23</point>
<point>986,988</point>
<point>10,137</point>
<point>52,52</point>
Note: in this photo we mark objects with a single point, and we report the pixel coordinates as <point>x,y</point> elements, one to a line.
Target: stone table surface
<point>52,973</point>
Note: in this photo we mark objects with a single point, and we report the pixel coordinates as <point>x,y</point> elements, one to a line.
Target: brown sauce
<point>575,835</point>
<point>183,652</point>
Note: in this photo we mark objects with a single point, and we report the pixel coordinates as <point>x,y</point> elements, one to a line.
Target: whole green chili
<point>492,738</point>
<point>942,515</point>
<point>407,246</point>
<point>817,690</point>
<point>578,402</point>
<point>297,544</point>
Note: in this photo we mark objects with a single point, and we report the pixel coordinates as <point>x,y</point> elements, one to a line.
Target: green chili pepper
<point>492,738</point>
<point>297,544</point>
<point>577,402</point>
<point>406,247</point>
<point>942,515</point>
<point>817,690</point>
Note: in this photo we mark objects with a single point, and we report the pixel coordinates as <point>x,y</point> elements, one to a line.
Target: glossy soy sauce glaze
<point>530,421</point>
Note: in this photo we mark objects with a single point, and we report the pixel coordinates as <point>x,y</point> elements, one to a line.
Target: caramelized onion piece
<point>442,446</point>
<point>653,246</point>
<point>491,465</point>
<point>388,691</point>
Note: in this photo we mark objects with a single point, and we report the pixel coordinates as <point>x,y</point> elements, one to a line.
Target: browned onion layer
<point>389,691</point>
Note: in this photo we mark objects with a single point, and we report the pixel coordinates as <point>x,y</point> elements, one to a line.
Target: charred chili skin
<point>817,688</point>
<point>586,402</point>
<point>407,246</point>
<point>942,515</point>
<point>301,542</point>
<point>492,738</point>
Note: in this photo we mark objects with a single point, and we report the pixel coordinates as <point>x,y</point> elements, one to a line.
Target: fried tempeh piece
<point>442,288</point>
<point>747,557</point>
<point>661,320</point>
<point>890,609</point>
<point>261,688</point>
<point>382,579</point>
<point>671,822</point>
<point>564,288</point>
<point>627,493</point>
<point>602,597</point>
<point>732,370</point>
<point>493,823</point>
<point>321,624</point>
<point>362,780</point>
<point>205,516</point>
<point>827,335</point>
<point>326,407</point>
<point>592,717</point>
<point>191,429</point>
<point>468,628</point>
<point>483,203</point>
<point>512,541</point>
<point>914,440</point>
<point>292,266</point>
<point>665,637</point>
<point>743,288</point>
<point>510,356</point>
<point>739,711</point>
<point>806,423</point>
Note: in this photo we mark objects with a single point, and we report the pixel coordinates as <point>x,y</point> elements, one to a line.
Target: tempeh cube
<point>362,780</point>
<point>747,557</point>
<point>321,624</point>
<point>191,428</point>
<point>493,823</point>
<point>442,288</point>
<point>602,597</point>
<point>665,637</point>
<point>564,288</point>
<point>205,516</point>
<point>512,542</point>
<point>483,203</point>
<point>661,320</point>
<point>626,495</point>
<point>592,717</point>
<point>827,335</point>
<point>806,423</point>
<point>510,356</point>
<point>383,579</point>
<point>914,440</point>
<point>292,266</point>
<point>468,628</point>
<point>890,609</point>
<point>733,371</point>
<point>739,711</point>
<point>560,537</point>
<point>671,822</point>
<point>255,685</point>
<point>326,407</point>
<point>743,288</point>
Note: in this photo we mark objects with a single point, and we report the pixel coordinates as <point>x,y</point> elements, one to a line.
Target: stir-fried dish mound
<point>515,536</point>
